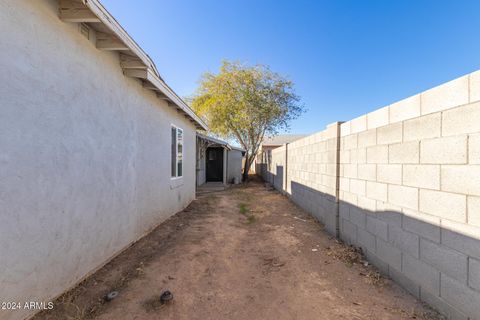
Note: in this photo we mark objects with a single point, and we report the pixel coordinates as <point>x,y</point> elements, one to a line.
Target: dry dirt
<point>244,253</point>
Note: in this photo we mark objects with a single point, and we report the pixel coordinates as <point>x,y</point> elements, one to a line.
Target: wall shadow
<point>276,180</point>
<point>434,263</point>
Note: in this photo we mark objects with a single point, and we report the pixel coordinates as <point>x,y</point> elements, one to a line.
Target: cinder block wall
<point>279,160</point>
<point>309,174</point>
<point>409,191</point>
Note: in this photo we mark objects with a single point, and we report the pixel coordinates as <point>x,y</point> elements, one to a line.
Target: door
<point>214,164</point>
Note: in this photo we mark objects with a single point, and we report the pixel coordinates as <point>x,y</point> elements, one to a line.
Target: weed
<point>350,255</point>
<point>246,212</point>
<point>74,312</point>
<point>243,208</point>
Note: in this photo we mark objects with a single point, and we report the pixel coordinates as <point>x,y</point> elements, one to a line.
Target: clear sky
<point>346,57</point>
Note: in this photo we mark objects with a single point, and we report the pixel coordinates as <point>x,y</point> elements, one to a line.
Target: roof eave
<point>148,72</point>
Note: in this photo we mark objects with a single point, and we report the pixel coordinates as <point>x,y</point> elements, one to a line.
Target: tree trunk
<point>246,169</point>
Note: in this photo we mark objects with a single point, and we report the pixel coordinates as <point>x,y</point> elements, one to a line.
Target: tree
<point>246,103</point>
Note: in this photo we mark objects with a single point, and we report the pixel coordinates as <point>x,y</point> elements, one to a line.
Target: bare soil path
<point>244,253</point>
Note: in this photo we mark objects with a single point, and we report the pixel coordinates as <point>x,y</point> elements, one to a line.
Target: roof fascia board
<point>109,21</point>
<point>220,142</point>
<point>212,139</point>
<point>172,96</point>
<point>152,73</point>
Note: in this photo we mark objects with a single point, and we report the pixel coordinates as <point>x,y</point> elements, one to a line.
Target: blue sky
<point>346,57</point>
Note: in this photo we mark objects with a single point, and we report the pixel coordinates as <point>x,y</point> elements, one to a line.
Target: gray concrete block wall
<point>404,185</point>
<point>306,170</point>
<point>425,177</point>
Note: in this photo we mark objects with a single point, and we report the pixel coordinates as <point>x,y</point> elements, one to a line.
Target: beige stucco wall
<point>408,190</point>
<point>200,167</point>
<point>234,165</point>
<point>84,155</point>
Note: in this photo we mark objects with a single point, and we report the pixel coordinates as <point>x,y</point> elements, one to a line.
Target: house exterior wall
<point>225,165</point>
<point>408,180</point>
<point>201,166</point>
<point>84,156</point>
<point>234,165</point>
<point>202,177</point>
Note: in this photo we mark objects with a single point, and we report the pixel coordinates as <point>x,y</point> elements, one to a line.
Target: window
<point>177,152</point>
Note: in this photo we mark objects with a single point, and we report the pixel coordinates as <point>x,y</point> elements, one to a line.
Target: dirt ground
<point>244,253</point>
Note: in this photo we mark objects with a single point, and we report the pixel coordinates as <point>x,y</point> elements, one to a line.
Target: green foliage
<point>246,212</point>
<point>243,208</point>
<point>246,103</point>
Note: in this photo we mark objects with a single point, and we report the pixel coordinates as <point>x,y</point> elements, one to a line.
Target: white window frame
<point>177,129</point>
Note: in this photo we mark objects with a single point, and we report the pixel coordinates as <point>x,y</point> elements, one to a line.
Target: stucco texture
<point>234,165</point>
<point>84,155</point>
